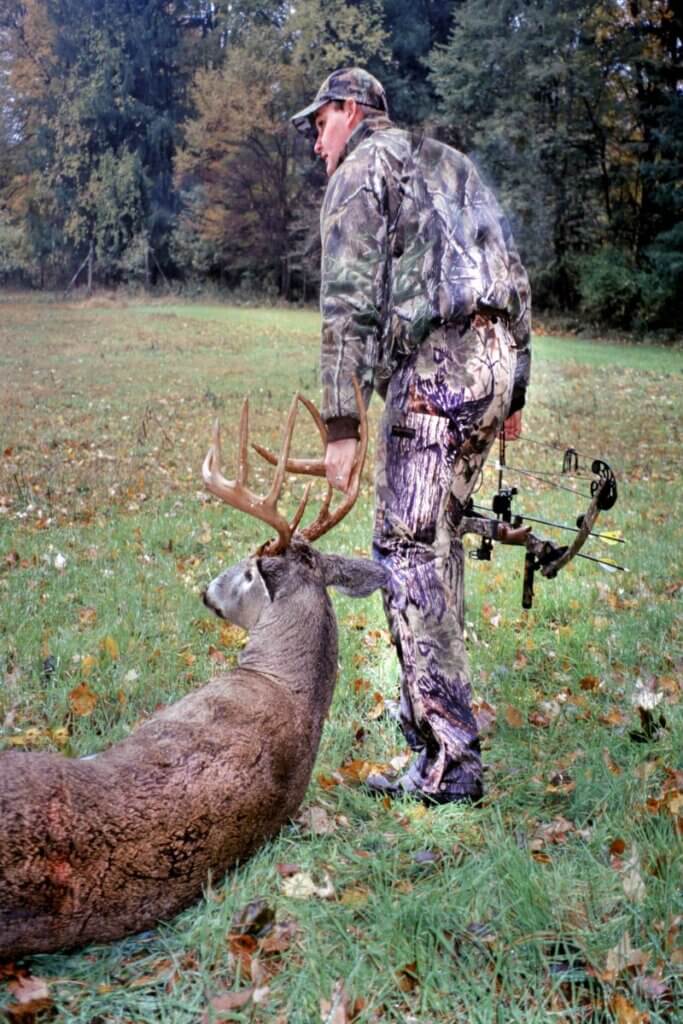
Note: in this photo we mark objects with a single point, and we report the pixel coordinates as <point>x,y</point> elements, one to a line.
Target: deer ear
<point>356,577</point>
<point>270,570</point>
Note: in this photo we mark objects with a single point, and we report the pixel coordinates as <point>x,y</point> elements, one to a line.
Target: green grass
<point>510,912</point>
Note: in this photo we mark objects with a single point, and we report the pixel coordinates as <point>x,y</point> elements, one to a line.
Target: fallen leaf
<point>279,939</point>
<point>110,647</point>
<point>261,995</point>
<point>27,988</point>
<point>335,1010</point>
<point>378,708</point>
<point>355,896</point>
<point>623,956</point>
<point>32,996</point>
<point>625,1012</point>
<point>82,700</point>
<point>217,657</point>
<point>328,781</point>
<point>317,820</point>
<point>521,660</point>
<point>302,886</point>
<point>553,833</point>
<point>358,771</point>
<point>614,718</point>
<point>407,977</point>
<point>233,636</point>
<point>646,694</point>
<point>485,716</point>
<point>653,988</point>
<point>609,762</point>
<point>589,683</point>
<point>228,1001</point>
<point>87,616</point>
<point>513,717</point>
<point>632,880</point>
<point>287,870</point>
<point>538,719</point>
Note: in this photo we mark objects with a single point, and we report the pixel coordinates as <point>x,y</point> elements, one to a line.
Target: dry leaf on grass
<point>315,819</point>
<point>355,896</point>
<point>82,700</point>
<point>632,880</point>
<point>336,1010</point>
<point>109,645</point>
<point>302,886</point>
<point>513,717</point>
<point>32,995</point>
<point>625,1012</point>
<point>623,957</point>
<point>485,716</point>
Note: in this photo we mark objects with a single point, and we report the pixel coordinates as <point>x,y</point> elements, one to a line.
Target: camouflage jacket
<point>411,238</point>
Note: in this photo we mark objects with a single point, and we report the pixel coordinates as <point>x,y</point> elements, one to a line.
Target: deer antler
<point>325,519</point>
<point>236,492</point>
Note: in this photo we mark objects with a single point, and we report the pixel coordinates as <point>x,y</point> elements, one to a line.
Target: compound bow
<point>541,554</point>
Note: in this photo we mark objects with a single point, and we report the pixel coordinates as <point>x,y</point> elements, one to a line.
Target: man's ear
<point>356,577</point>
<point>353,112</point>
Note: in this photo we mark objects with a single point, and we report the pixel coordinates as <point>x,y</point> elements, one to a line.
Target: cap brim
<point>302,120</point>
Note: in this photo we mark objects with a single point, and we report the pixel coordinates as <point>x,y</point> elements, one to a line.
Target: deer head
<point>283,567</point>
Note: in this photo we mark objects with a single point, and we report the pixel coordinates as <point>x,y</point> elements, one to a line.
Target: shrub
<point>609,287</point>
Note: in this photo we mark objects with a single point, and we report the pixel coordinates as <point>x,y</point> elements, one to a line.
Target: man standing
<point>425,301</point>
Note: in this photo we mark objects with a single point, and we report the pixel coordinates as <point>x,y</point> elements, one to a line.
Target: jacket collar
<point>363,130</point>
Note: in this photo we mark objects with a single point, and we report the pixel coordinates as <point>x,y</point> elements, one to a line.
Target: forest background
<point>147,141</point>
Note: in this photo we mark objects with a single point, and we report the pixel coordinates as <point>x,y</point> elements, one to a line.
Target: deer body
<point>92,850</point>
<point>95,849</point>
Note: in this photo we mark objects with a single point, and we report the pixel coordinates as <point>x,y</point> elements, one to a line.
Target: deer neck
<point>298,648</point>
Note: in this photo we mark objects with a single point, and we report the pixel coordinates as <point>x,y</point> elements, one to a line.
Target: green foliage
<point>248,207</point>
<point>148,123</point>
<point>574,112</point>
<point>610,287</point>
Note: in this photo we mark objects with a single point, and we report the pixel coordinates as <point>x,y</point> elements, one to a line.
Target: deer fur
<point>92,850</point>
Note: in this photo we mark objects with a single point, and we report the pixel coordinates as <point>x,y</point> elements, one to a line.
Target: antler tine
<point>304,467</point>
<point>324,521</point>
<point>237,494</point>
<point>243,463</point>
<point>279,477</point>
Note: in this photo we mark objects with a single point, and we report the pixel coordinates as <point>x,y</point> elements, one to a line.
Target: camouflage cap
<point>343,84</point>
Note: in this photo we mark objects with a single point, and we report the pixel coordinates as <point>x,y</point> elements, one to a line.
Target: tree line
<point>148,140</point>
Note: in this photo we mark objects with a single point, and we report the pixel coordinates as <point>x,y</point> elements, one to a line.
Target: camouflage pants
<point>445,405</point>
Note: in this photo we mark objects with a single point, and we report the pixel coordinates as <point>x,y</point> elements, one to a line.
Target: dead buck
<point>91,850</point>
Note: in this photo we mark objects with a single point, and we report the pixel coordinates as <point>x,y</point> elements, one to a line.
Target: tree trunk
<point>91,259</point>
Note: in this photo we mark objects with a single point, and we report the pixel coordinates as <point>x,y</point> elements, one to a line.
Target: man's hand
<point>339,459</point>
<point>512,428</point>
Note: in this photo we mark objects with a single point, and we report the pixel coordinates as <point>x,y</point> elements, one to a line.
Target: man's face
<point>334,125</point>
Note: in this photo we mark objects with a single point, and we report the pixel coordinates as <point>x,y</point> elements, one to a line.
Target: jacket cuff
<point>341,427</point>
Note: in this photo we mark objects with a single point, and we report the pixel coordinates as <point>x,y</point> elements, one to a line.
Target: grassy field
<point>558,900</point>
